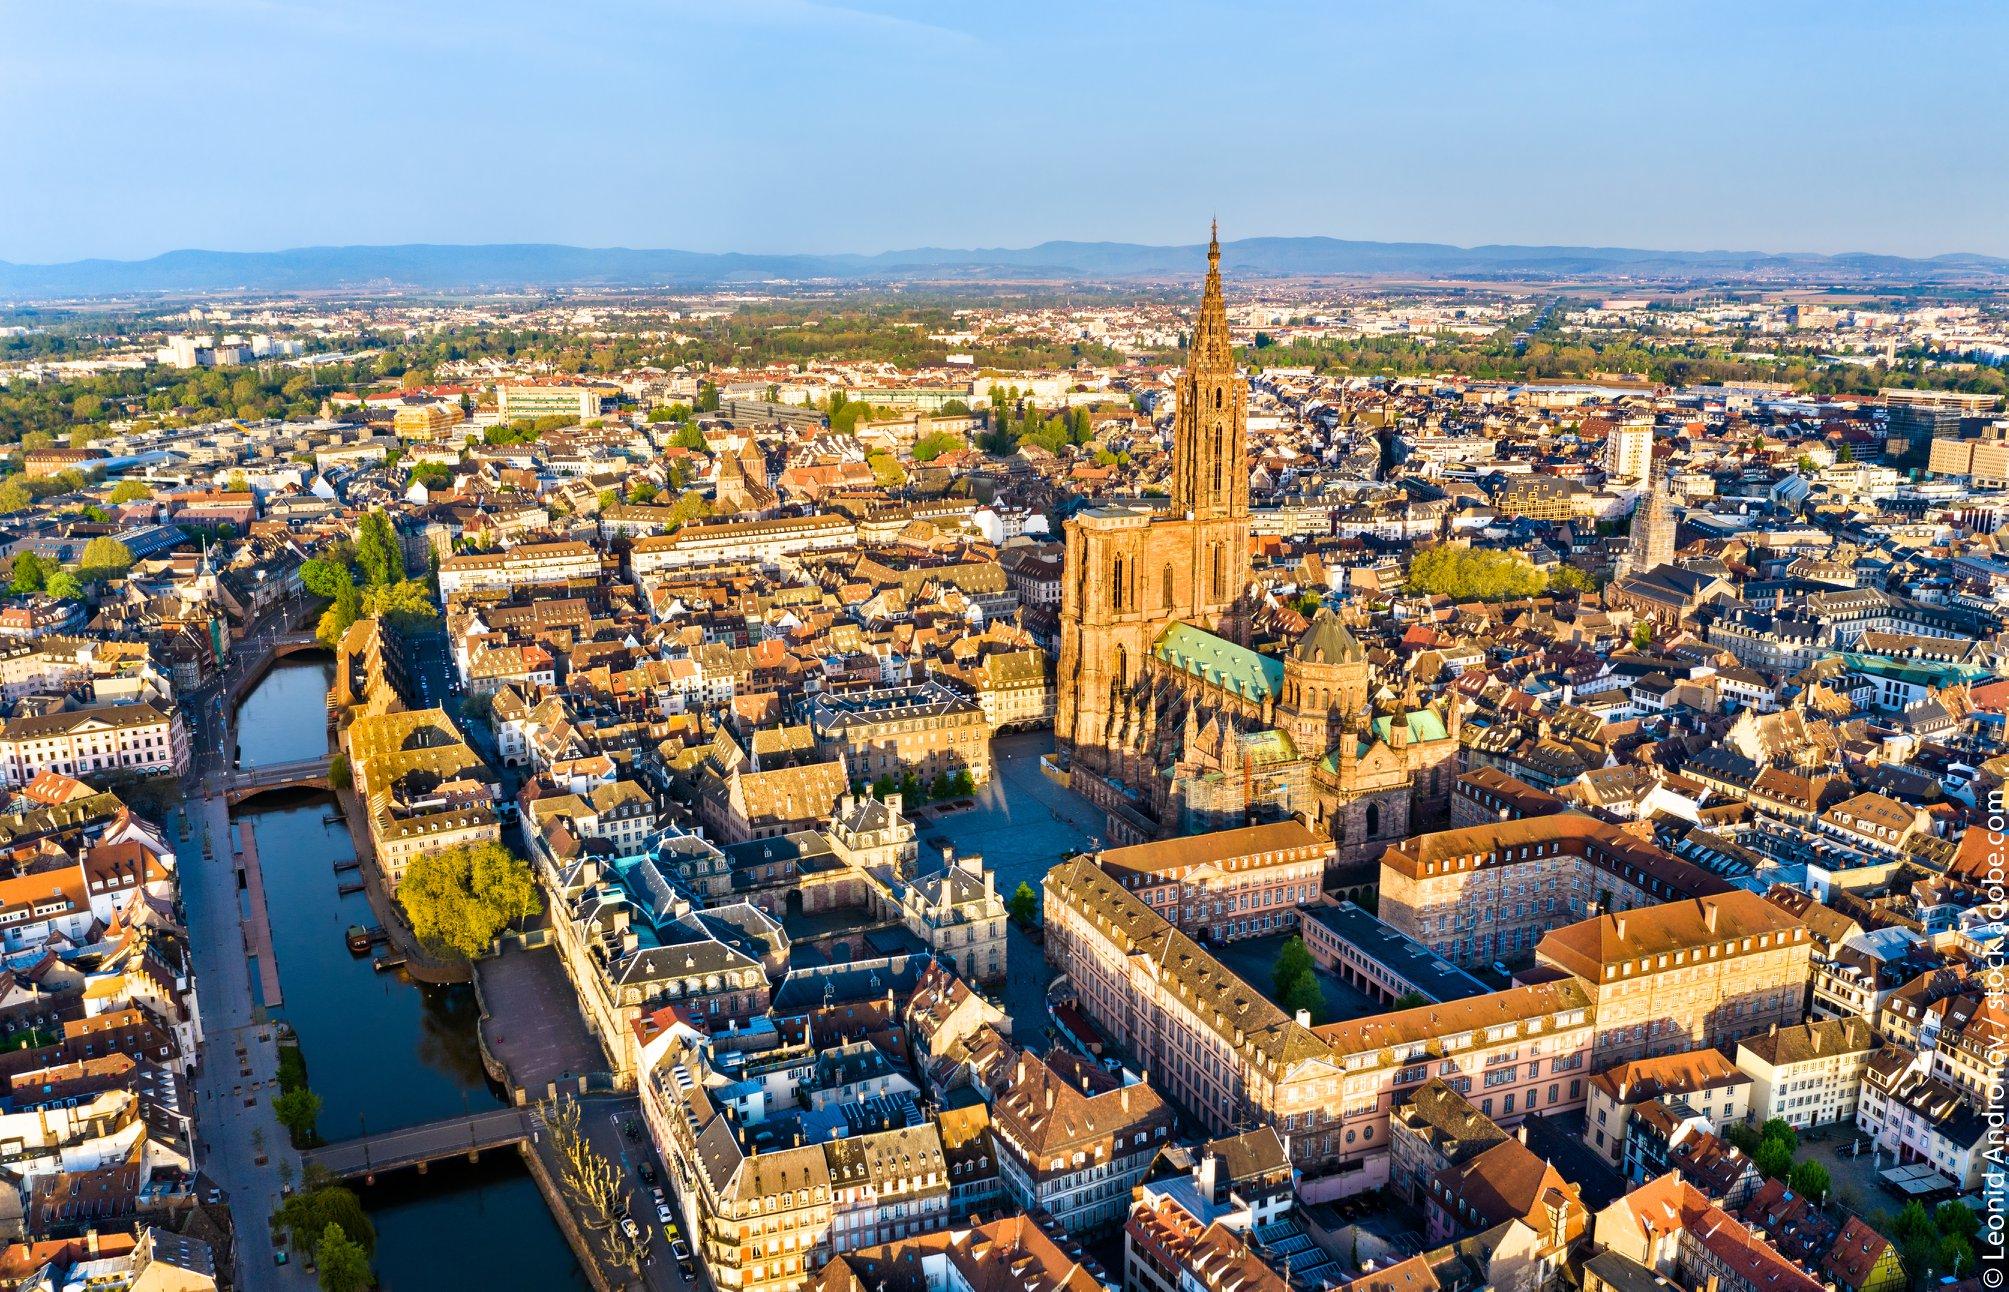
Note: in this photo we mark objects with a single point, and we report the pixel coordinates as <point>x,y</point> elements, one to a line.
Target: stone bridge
<point>301,774</point>
<point>368,1156</point>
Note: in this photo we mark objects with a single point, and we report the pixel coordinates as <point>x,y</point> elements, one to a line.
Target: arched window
<point>1220,572</point>
<point>1165,593</point>
<point>1373,820</point>
<point>1217,459</point>
<point>1122,666</point>
<point>1217,396</point>
<point>1116,584</point>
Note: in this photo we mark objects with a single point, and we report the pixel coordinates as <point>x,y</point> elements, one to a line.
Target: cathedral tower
<point>1131,572</point>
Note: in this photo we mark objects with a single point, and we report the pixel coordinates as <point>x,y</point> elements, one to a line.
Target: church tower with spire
<point>1131,572</point>
<point>1651,540</point>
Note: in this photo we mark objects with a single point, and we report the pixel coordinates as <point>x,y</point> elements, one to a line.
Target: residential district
<point>1175,818</point>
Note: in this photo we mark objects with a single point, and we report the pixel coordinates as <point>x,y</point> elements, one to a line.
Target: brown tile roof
<point>1722,921</point>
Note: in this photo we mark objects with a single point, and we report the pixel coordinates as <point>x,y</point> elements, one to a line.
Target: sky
<point>134,127</point>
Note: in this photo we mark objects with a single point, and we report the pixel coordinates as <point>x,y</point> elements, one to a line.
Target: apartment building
<point>1703,1080</point>
<point>134,739</point>
<point>1070,1153</point>
<point>1670,1228</point>
<point>1218,1048</point>
<point>1680,975</point>
<point>1228,884</point>
<point>524,565</point>
<point>423,787</point>
<point>1489,892</point>
<point>1921,1118</point>
<point>924,730</point>
<point>748,542</point>
<point>1807,1074</point>
<point>522,401</point>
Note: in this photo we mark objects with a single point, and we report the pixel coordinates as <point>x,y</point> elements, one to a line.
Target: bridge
<point>369,1156</point>
<point>301,774</point>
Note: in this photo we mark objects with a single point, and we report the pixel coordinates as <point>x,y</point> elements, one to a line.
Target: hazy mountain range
<point>539,265</point>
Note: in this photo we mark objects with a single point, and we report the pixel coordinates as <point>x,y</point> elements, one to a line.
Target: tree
<point>325,578</point>
<point>689,506</point>
<point>1571,578</point>
<point>1642,635</point>
<point>1773,1159</point>
<point>1304,996</point>
<point>30,573</point>
<point>930,447</point>
<point>1744,1136</point>
<point>37,440</point>
<point>236,482</point>
<point>15,495</point>
<point>1778,1128</point>
<point>887,472</point>
<point>339,776</point>
<point>297,1111</point>
<point>1293,962</point>
<point>104,558</point>
<point>1811,1179</point>
<point>322,1202</point>
<point>459,900</point>
<point>405,604</point>
<point>130,491</point>
<point>1474,573</point>
<point>379,555</point>
<point>1024,904</point>
<point>64,586</point>
<point>343,1265</point>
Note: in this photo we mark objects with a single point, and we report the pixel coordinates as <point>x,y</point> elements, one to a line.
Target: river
<point>383,1052</point>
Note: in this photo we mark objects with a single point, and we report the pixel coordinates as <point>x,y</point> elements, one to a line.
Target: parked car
<point>663,1212</point>
<point>628,1227</point>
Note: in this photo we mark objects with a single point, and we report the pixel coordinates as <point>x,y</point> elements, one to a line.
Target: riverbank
<point>420,964</point>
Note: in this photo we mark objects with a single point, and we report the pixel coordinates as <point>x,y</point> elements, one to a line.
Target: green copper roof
<point>1916,672</point>
<point>1220,662</point>
<point>1424,724</point>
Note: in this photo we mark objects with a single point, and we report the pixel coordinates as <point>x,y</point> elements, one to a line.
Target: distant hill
<point>540,265</point>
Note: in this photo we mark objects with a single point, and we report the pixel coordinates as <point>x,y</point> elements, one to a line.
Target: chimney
<point>1207,1173</point>
<point>1618,923</point>
<point>1709,915</point>
<point>1304,1018</point>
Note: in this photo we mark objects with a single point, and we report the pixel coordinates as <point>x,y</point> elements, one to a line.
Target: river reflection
<point>383,1052</point>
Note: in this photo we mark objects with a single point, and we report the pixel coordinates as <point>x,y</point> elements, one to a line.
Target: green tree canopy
<point>1023,905</point>
<point>105,558</point>
<point>130,491</point>
<point>379,554</point>
<point>1810,1178</point>
<point>1774,1159</point>
<point>930,447</point>
<point>30,573</point>
<point>321,1203</point>
<point>297,1111</point>
<point>405,604</point>
<point>461,899</point>
<point>64,586</point>
<point>342,1264</point>
<point>1474,573</point>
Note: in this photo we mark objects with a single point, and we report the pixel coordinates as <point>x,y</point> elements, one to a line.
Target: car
<point>632,1131</point>
<point>663,1212</point>
<point>683,1255</point>
<point>657,1194</point>
<point>628,1227</point>
<point>280,1256</point>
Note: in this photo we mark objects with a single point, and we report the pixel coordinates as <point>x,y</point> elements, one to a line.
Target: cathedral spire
<point>1210,471</point>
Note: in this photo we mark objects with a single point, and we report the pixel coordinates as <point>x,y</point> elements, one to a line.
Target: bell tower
<point>1210,473</point>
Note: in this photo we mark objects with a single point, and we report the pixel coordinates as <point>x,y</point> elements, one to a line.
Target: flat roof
<point>1403,955</point>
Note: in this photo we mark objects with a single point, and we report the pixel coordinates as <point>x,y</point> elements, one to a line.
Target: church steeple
<point>1210,471</point>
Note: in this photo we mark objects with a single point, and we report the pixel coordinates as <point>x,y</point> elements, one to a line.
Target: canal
<point>382,1051</point>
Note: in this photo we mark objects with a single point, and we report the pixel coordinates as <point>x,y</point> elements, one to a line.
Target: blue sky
<point>138,126</point>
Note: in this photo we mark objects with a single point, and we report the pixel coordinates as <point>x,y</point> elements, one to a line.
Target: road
<point>603,1123</point>
<point>241,1146</point>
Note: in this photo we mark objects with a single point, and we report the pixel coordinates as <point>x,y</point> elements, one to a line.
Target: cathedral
<point>1166,718</point>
